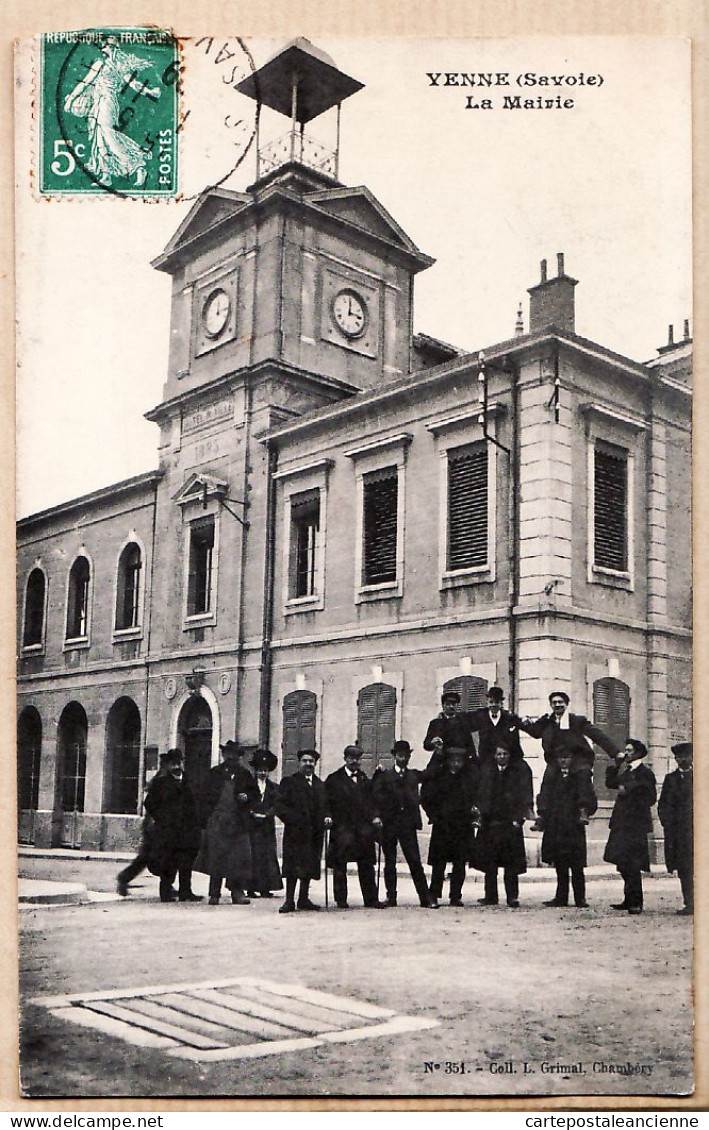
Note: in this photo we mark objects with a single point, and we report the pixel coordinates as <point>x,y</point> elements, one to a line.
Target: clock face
<point>349,313</point>
<point>215,312</point>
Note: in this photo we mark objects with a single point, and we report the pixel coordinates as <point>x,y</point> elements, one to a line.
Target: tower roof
<point>320,84</point>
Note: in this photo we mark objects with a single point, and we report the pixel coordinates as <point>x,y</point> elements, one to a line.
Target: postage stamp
<point>109,112</point>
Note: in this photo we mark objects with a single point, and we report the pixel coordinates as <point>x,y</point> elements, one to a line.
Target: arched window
<point>29,752</point>
<point>73,731</point>
<point>300,710</point>
<point>77,613</point>
<point>122,776</point>
<point>472,691</point>
<point>376,725</point>
<point>35,602</point>
<point>611,713</point>
<point>130,566</point>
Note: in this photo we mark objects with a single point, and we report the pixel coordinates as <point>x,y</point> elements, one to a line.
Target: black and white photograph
<point>354,565</point>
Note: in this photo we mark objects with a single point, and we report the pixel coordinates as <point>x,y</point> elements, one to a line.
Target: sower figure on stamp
<point>449,799</point>
<point>631,821</point>
<point>565,809</point>
<point>301,803</point>
<point>396,793</point>
<point>506,800</point>
<point>677,818</point>
<point>449,729</point>
<point>354,823</point>
<point>265,872</point>
<point>173,838</point>
<point>225,854</point>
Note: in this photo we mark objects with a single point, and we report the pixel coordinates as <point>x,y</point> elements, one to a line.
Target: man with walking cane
<point>354,822</point>
<point>396,792</point>
<point>301,803</point>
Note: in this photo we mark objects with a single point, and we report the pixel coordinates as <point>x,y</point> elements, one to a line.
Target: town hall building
<point>348,518</point>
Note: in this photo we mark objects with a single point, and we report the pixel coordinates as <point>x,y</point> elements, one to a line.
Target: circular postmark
<point>141,113</point>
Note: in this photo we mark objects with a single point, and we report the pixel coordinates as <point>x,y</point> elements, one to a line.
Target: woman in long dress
<point>265,872</point>
<point>96,98</point>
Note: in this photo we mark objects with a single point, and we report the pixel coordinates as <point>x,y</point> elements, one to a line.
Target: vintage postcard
<point>354,598</point>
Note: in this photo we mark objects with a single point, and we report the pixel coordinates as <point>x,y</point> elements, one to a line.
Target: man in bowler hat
<point>301,803</point>
<point>354,823</point>
<point>491,722</point>
<point>631,821</point>
<point>676,816</point>
<point>449,729</point>
<point>173,838</point>
<point>396,792</point>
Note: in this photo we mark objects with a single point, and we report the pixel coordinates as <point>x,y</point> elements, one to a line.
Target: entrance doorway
<point>72,735</point>
<point>195,729</point>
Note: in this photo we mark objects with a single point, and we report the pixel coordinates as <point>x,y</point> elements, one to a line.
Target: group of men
<point>477,801</point>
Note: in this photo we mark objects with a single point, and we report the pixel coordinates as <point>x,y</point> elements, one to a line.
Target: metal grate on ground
<point>242,1018</point>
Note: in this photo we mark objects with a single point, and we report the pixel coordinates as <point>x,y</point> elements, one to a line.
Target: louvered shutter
<point>299,722</point>
<point>380,527</point>
<point>611,713</point>
<point>472,691</point>
<point>467,508</point>
<point>376,725</point>
<point>610,540</point>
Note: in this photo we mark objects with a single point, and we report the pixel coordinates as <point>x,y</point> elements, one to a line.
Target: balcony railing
<point>294,146</point>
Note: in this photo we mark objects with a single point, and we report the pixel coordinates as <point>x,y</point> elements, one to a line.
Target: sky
<point>487,192</point>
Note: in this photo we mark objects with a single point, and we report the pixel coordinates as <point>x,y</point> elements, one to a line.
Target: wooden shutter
<point>299,725</point>
<point>380,527</point>
<point>611,713</point>
<point>376,725</point>
<point>467,508</point>
<point>471,689</point>
<point>610,541</point>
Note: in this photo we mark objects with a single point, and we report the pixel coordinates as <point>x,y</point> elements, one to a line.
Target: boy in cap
<point>301,803</point>
<point>265,872</point>
<point>506,800</point>
<point>676,816</point>
<point>449,729</point>
<point>396,792</point>
<point>354,821</point>
<point>173,837</point>
<point>449,799</point>
<point>630,821</point>
<point>569,802</point>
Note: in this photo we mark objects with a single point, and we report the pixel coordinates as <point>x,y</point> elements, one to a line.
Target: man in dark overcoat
<point>506,800</point>
<point>354,823</point>
<point>226,842</point>
<point>565,810</point>
<point>631,821</point>
<point>449,798</point>
<point>492,722</point>
<point>450,729</point>
<point>677,818</point>
<point>301,803</point>
<point>396,792</point>
<point>173,835</point>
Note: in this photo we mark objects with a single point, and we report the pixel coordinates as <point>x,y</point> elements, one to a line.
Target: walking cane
<point>326,843</point>
<point>379,865</point>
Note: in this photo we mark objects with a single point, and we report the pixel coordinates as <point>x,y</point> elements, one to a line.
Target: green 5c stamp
<point>109,113</point>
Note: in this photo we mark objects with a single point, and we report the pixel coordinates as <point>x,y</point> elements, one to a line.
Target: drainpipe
<point>514,480</point>
<point>268,586</point>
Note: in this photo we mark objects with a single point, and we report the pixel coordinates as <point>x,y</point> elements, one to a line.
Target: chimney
<point>551,301</point>
<point>686,330</point>
<point>519,324</point>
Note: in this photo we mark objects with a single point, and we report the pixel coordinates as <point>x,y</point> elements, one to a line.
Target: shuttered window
<point>305,526</point>
<point>34,609</point>
<point>610,526</point>
<point>199,582</point>
<point>380,505</point>
<point>376,725</point>
<point>299,723</point>
<point>611,713</point>
<point>467,507</point>
<point>472,691</point>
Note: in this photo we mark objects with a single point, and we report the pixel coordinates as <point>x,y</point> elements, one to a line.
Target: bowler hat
<point>172,756</point>
<point>683,749</point>
<point>354,750</point>
<point>495,693</point>
<point>401,747</point>
<point>232,747</point>
<point>450,696</point>
<point>639,747</point>
<point>310,752</point>
<point>264,759</point>
<point>456,750</point>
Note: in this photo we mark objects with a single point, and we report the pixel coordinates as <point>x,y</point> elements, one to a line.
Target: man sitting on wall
<point>492,722</point>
